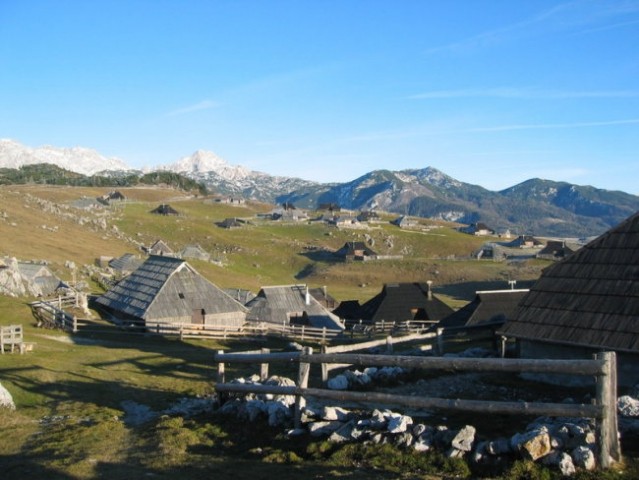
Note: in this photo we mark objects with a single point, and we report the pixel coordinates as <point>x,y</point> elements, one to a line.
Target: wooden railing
<point>50,316</point>
<point>11,338</point>
<point>603,367</point>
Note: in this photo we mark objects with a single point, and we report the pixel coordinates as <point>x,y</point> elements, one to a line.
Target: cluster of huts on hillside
<point>587,302</point>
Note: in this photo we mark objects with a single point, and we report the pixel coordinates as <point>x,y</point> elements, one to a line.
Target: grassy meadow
<point>74,393</point>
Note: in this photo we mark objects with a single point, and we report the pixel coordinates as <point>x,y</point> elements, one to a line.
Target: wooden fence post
<point>302,382</point>
<point>440,341</point>
<point>324,349</point>
<point>389,344</point>
<point>75,323</point>
<point>502,346</point>
<point>606,397</point>
<point>264,366</point>
<point>220,369</point>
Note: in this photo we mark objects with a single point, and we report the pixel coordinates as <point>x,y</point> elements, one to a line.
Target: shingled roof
<point>281,304</point>
<point>398,302</point>
<point>166,288</point>
<point>590,298</point>
<point>487,308</point>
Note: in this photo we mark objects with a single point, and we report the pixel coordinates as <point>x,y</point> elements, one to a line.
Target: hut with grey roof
<point>168,290</point>
<point>585,303</point>
<point>290,305</point>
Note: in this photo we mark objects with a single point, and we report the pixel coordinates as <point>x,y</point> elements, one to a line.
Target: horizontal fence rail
<point>603,368</point>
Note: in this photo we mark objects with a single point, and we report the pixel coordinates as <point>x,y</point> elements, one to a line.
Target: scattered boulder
<point>6,400</point>
<point>628,406</point>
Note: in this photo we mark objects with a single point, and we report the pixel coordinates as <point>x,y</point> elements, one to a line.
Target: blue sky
<point>490,92</point>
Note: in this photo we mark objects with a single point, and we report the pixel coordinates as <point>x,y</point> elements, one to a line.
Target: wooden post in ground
<point>389,344</point>
<point>502,346</point>
<point>220,369</point>
<point>302,382</point>
<point>324,366</point>
<point>607,434</point>
<point>264,366</point>
<point>440,341</point>
<point>75,323</point>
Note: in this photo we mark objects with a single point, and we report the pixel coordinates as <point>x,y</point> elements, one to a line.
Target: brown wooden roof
<point>590,298</point>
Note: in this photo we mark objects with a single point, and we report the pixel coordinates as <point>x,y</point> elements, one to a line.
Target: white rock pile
<point>566,444</point>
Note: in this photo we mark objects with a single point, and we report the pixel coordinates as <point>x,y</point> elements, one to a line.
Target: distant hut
<point>525,241</point>
<point>168,290</point>
<point>490,308</point>
<point>126,264</point>
<point>586,303</point>
<point>399,302</point>
<point>39,278</point>
<point>164,209</point>
<point>111,197</point>
<point>290,305</point>
<point>352,251</point>
<point>479,229</point>
<point>403,221</point>
<point>231,223</point>
<point>556,250</point>
<point>160,248</point>
<point>195,252</point>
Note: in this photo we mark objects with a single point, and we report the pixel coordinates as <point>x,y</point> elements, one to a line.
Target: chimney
<point>308,296</point>
<point>430,291</point>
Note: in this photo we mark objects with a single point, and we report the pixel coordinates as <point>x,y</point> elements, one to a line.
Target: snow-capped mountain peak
<point>76,159</point>
<point>202,162</point>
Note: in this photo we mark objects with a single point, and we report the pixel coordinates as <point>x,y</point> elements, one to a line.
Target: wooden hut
<point>352,251</point>
<point>290,305</point>
<point>399,302</point>
<point>490,308</point>
<point>125,264</point>
<point>168,290</point>
<point>164,209</point>
<point>586,303</point>
<point>159,248</point>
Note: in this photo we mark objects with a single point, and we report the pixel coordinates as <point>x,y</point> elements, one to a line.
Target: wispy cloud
<point>540,126</point>
<point>523,93</point>
<point>203,105</point>
<point>578,16</point>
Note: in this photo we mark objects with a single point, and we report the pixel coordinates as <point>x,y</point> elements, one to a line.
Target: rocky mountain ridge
<point>536,206</point>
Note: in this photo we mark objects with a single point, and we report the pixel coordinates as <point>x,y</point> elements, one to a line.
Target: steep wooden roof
<point>488,307</point>
<point>590,298</point>
<point>276,304</point>
<point>170,287</point>
<point>404,301</point>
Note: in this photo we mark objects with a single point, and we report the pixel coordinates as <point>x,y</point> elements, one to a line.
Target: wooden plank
<point>472,406</point>
<point>572,367</point>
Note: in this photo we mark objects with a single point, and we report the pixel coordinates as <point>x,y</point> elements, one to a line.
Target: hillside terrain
<point>104,403</point>
<point>49,223</point>
<point>536,206</point>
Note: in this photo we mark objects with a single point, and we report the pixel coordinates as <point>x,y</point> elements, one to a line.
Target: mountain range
<point>536,206</point>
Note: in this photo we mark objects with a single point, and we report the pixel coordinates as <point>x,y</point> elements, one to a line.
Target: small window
<point>181,295</point>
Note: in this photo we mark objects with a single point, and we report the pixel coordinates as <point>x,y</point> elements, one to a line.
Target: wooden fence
<point>11,337</point>
<point>49,315</point>
<point>602,367</point>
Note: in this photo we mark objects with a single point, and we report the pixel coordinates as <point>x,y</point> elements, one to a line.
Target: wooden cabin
<point>168,290</point>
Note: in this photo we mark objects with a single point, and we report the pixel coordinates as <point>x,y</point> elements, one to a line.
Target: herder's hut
<point>168,290</point>
<point>586,303</point>
<point>125,265</point>
<point>195,252</point>
<point>399,302</point>
<point>352,251</point>
<point>290,305</point>
<point>159,248</point>
<point>490,308</point>
<point>164,209</point>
